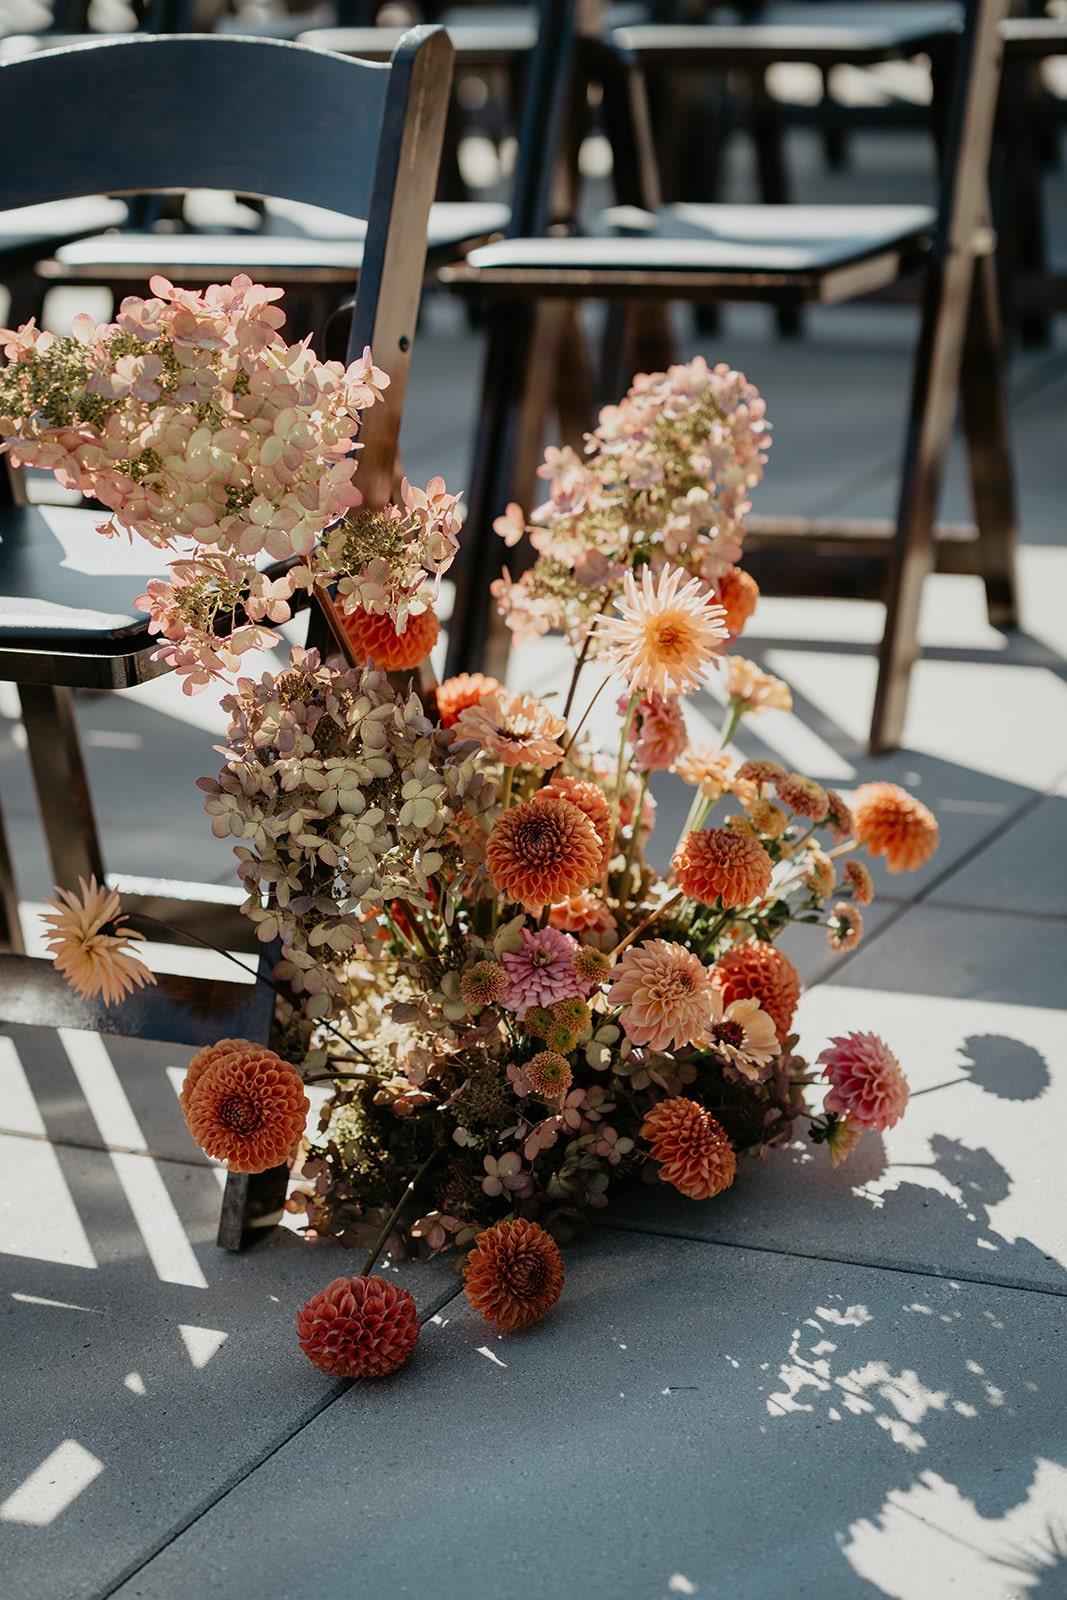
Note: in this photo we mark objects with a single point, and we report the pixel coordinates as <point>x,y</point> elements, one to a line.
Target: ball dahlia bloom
<point>717,864</point>
<point>667,632</point>
<point>514,1274</point>
<point>374,637</point>
<point>358,1327</point>
<point>92,961</point>
<point>693,1151</point>
<point>737,592</point>
<point>543,852</point>
<point>589,799</point>
<point>456,694</point>
<point>665,995</point>
<point>892,823</point>
<point>866,1081</point>
<point>245,1105</point>
<point>759,971</point>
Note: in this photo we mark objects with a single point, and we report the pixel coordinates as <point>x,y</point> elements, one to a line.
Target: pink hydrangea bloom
<point>866,1082</point>
<point>541,972</point>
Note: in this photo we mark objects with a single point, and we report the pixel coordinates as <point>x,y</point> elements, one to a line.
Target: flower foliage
<point>469,937</point>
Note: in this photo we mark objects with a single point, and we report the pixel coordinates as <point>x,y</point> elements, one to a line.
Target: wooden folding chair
<point>789,256</point>
<point>269,119</point>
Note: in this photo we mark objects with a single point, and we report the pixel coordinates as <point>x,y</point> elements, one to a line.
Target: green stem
<point>387,1227</point>
<point>509,779</point>
<point>631,848</point>
<point>734,713</point>
<point>649,920</point>
<point>620,771</point>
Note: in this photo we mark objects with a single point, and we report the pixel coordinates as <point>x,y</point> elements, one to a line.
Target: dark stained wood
<point>62,786</point>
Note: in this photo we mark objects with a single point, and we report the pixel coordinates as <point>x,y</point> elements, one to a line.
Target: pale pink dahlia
<point>666,634</point>
<point>665,993</point>
<point>658,732</point>
<point>866,1082</point>
<point>541,972</point>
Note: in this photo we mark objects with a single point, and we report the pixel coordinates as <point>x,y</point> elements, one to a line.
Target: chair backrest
<point>260,117</point>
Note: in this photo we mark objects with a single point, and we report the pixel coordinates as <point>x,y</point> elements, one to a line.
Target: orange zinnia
<point>247,1107</point>
<point>755,970</point>
<point>692,1149</point>
<point>374,638</point>
<point>892,823</point>
<point>543,852</point>
<point>358,1327</point>
<point>714,863</point>
<point>514,1274</point>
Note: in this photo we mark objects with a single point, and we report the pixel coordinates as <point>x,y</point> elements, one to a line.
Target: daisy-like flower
<point>456,694</point>
<point>658,732</point>
<point>842,1139</point>
<point>665,994</point>
<point>542,852</point>
<point>589,799</point>
<point>754,689</point>
<point>667,632</point>
<point>892,823</point>
<point>483,984</point>
<point>760,971</point>
<point>515,728</point>
<point>692,1149</point>
<point>572,1013</point>
<point>541,972</point>
<point>866,1081</point>
<point>745,1035</point>
<point>844,929</point>
<point>820,874</point>
<point>374,638</point>
<point>549,1074</point>
<point>737,592</point>
<point>591,967</point>
<point>768,819</point>
<point>583,913</point>
<point>858,876</point>
<point>247,1107</point>
<point>715,864</point>
<point>358,1327</point>
<point>514,1274</point>
<point>92,961</point>
<point>803,795</point>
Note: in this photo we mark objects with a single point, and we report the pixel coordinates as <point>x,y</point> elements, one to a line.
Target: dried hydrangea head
<point>358,1327</point>
<point>456,694</point>
<point>756,970</point>
<point>752,688</point>
<point>803,795</point>
<point>543,852</point>
<point>375,638</point>
<point>247,1108</point>
<point>859,877</point>
<point>715,864</point>
<point>514,1274</point>
<point>866,1081</point>
<point>693,1151</point>
<point>515,728</point>
<point>483,984</point>
<point>667,633</point>
<point>737,592</point>
<point>664,993</point>
<point>92,961</point>
<point>892,823</point>
<point>549,1074</point>
<point>590,799</point>
<point>844,927</point>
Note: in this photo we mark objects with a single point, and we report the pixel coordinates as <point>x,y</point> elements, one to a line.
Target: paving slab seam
<point>909,1270</point>
<point>108,1149</point>
<point>337,1392</point>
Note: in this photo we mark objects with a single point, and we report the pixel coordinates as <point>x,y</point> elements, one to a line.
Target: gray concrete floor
<point>846,1384</point>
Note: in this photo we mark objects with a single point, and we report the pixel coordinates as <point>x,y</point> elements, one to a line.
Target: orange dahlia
<point>692,1149</point>
<point>207,1057</point>
<point>358,1327</point>
<point>588,798</point>
<point>456,694</point>
<point>374,638</point>
<point>664,991</point>
<point>246,1107</point>
<point>892,823</point>
<point>737,593</point>
<point>755,970</point>
<point>543,852</point>
<point>514,1274</point>
<point>714,863</point>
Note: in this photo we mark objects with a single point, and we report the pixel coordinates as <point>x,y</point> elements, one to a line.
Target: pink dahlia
<point>658,732</point>
<point>866,1082</point>
<point>541,972</point>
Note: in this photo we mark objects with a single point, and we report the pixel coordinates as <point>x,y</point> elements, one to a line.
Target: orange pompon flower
<point>692,1149</point>
<point>588,798</point>
<point>755,970</point>
<point>246,1107</point>
<point>665,994</point>
<point>583,913</point>
<point>456,694</point>
<point>543,852</point>
<point>667,632</point>
<point>374,638</point>
<point>515,728</point>
<point>715,864</point>
<point>94,962</point>
<point>844,927</point>
<point>892,823</point>
<point>737,592</point>
<point>358,1327</point>
<point>514,1274</point>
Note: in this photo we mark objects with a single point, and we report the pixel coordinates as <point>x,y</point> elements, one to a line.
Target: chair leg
<point>59,777</point>
<point>10,927</point>
<point>985,423</point>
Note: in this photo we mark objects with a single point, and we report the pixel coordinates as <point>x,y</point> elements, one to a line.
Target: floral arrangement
<point>517,1014</point>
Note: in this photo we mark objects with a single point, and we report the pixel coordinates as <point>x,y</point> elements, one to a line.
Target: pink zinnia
<point>866,1082</point>
<point>541,972</point>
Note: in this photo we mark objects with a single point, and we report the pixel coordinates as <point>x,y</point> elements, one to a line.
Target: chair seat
<point>827,33</point>
<point>821,252</point>
<point>281,257</point>
<point>1037,37</point>
<point>31,228</point>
